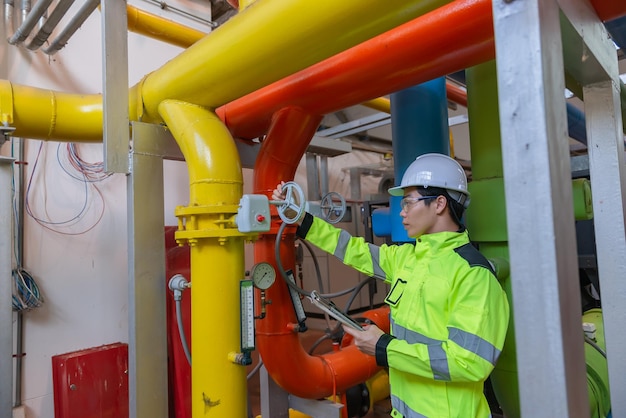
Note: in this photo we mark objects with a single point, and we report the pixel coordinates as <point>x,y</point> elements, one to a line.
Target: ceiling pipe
<point>455,94</point>
<point>51,22</point>
<point>8,18</point>
<point>40,9</point>
<point>34,113</point>
<point>76,22</point>
<point>609,9</point>
<point>355,76</point>
<point>268,29</point>
<point>24,11</point>
<point>156,27</point>
<point>242,43</point>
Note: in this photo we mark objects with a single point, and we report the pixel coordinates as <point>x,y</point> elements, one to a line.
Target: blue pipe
<point>419,125</point>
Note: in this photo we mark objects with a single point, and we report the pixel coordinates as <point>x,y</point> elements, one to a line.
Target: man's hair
<point>456,209</point>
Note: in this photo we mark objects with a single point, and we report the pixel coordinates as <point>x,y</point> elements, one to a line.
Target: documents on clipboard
<point>331,309</point>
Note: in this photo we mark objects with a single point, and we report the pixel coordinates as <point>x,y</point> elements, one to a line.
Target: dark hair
<point>456,209</point>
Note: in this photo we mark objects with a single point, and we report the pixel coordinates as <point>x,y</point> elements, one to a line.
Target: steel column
<point>540,218</point>
<point>147,340</point>
<point>115,85</point>
<point>6,310</point>
<point>606,166</point>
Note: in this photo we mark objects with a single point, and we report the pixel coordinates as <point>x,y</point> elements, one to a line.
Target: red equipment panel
<point>91,383</point>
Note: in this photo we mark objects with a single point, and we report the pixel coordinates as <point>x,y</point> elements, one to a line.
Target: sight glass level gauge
<point>263,275</point>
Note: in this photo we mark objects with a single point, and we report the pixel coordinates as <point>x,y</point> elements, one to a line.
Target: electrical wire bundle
<point>81,170</point>
<point>26,293</point>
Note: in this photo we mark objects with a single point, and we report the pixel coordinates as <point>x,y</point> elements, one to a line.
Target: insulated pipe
<point>248,117</point>
<point>49,115</point>
<point>454,93</point>
<point>355,75</point>
<point>218,386</point>
<point>40,9</point>
<point>156,27</point>
<point>55,17</point>
<point>279,345</point>
<point>269,29</point>
<point>83,13</point>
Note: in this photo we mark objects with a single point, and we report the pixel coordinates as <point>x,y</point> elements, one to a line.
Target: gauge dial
<point>263,275</point>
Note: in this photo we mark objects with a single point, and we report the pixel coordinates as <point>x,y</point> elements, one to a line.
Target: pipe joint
<point>209,221</point>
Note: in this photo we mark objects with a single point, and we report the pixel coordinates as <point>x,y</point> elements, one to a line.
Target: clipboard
<point>331,309</point>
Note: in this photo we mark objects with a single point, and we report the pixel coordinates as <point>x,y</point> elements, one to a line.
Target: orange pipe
<point>456,94</point>
<point>315,376</point>
<point>609,9</point>
<point>355,75</point>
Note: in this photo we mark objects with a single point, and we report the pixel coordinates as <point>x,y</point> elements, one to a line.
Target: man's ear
<point>441,203</point>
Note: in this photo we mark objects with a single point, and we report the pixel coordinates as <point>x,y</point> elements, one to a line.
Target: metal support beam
<point>606,166</point>
<point>591,60</point>
<point>540,218</point>
<point>147,341</point>
<point>115,85</point>
<point>6,309</point>
<point>274,400</point>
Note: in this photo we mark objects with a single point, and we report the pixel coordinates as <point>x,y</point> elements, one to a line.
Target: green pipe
<point>486,216</point>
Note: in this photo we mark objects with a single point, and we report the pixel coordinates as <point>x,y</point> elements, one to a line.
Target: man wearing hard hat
<point>449,314</point>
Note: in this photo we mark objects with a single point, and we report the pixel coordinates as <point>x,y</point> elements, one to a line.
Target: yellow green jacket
<point>449,317</point>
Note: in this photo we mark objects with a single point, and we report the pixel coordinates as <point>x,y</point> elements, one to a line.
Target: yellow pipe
<point>47,114</point>
<point>218,385</point>
<point>262,37</point>
<point>381,104</point>
<point>257,47</point>
<point>165,30</point>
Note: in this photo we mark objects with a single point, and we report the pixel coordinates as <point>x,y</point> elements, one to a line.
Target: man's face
<point>417,217</point>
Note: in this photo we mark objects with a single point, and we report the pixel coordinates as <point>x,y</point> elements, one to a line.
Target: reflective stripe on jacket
<point>449,317</point>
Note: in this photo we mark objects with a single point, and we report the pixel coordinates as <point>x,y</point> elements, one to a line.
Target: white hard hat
<point>435,170</point>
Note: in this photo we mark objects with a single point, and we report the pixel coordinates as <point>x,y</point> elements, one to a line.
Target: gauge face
<point>263,275</point>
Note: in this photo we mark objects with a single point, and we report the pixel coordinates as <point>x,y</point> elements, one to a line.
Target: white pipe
<point>83,13</point>
<point>46,29</point>
<point>25,10</point>
<point>41,7</point>
<point>8,18</point>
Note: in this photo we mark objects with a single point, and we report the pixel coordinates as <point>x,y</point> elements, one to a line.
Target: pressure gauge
<point>263,275</point>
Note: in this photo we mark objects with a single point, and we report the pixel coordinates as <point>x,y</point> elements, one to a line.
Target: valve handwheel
<point>293,206</point>
<point>333,207</point>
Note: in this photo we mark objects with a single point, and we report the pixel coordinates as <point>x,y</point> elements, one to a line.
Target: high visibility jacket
<point>449,317</point>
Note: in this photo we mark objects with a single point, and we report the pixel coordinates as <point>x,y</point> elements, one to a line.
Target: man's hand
<point>279,194</point>
<point>365,340</point>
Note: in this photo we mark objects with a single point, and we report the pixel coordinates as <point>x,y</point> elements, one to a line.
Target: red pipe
<point>358,75</point>
<point>609,9</point>
<point>290,132</point>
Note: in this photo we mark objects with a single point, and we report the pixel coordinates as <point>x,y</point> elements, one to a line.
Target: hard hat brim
<point>396,191</point>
